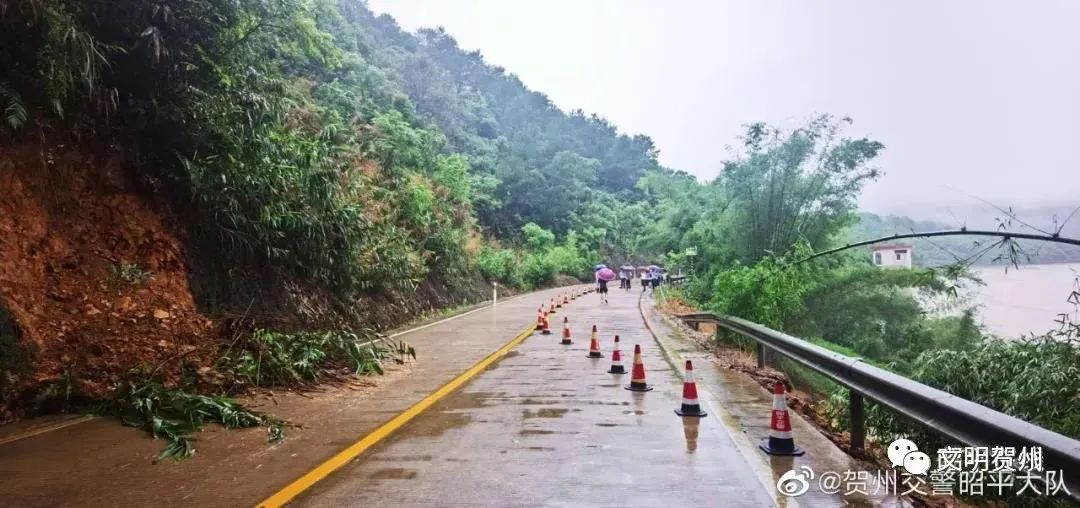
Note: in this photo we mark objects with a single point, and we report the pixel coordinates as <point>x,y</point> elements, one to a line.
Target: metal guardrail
<point>957,418</point>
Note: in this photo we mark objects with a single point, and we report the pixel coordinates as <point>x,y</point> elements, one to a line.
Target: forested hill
<point>524,150</point>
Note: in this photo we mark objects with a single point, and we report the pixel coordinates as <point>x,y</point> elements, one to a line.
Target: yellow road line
<point>343,457</point>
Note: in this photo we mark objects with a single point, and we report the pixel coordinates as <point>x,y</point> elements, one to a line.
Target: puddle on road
<point>535,432</point>
<point>547,412</point>
<point>540,448</point>
<point>610,425</point>
<point>436,424</point>
<point>394,473</point>
<point>534,402</point>
<point>403,458</point>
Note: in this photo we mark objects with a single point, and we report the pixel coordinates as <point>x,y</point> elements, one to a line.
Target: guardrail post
<point>856,415</point>
<point>760,355</point>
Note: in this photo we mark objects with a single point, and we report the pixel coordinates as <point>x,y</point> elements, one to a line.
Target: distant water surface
<point>1025,300</point>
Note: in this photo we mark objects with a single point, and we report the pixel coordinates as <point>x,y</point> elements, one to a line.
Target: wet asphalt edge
<point>742,440</point>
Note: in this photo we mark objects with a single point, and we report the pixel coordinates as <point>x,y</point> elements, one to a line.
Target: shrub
<point>497,264</point>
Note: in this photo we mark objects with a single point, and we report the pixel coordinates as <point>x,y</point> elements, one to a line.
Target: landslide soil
<point>68,223</point>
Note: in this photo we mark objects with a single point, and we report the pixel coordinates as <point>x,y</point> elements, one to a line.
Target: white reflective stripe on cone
<point>780,434</point>
<point>689,402</point>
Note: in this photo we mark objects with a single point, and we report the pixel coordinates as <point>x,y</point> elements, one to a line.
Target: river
<point>1025,300</point>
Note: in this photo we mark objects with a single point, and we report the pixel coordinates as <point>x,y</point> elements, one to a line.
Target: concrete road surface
<point>547,426</point>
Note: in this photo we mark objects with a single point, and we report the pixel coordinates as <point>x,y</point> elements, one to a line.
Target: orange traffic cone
<point>540,318</point>
<point>594,345</point>
<point>616,360</point>
<point>637,378</point>
<point>690,406</point>
<point>551,307</point>
<point>566,341</point>
<point>545,330</point>
<point>780,441</point>
<point>566,299</point>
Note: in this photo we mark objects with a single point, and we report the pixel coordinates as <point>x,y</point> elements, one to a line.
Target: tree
<point>792,186</point>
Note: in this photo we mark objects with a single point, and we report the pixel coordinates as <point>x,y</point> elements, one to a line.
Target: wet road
<point>547,426</point>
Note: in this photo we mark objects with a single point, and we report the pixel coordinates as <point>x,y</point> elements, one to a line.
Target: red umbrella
<point>605,274</point>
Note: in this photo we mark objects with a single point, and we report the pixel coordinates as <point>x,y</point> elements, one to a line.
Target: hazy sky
<point>979,96</point>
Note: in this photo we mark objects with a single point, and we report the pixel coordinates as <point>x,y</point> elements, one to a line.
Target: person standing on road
<point>646,279</point>
<point>601,285</point>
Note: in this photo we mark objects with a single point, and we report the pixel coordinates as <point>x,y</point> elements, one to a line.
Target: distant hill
<point>945,250</point>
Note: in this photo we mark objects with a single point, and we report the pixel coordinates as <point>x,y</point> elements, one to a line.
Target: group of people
<point>650,279</point>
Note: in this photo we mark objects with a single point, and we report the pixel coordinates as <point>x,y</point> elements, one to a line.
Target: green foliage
<point>795,186</point>
<point>536,270</point>
<point>1017,377</point>
<point>14,111</point>
<point>768,292</point>
<point>536,237</point>
<point>175,415</point>
<point>269,358</point>
<point>128,274</point>
<point>499,265</point>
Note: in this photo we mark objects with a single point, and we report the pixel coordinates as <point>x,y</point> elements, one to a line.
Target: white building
<point>891,256</point>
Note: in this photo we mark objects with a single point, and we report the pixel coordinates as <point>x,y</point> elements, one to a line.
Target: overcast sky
<point>976,97</point>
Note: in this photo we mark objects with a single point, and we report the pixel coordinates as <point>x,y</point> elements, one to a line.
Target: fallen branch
<point>1005,235</point>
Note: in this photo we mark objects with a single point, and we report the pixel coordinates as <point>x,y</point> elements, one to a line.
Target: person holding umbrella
<point>646,279</point>
<point>626,275</point>
<point>603,276</point>
<point>655,275</point>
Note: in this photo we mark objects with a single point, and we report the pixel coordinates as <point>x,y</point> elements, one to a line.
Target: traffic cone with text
<point>545,330</point>
<point>690,406</point>
<point>566,340</point>
<point>616,360</point>
<point>594,345</point>
<point>637,377</point>
<point>780,441</point>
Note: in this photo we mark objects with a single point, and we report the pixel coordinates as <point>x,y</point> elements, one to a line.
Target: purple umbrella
<point>605,274</point>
